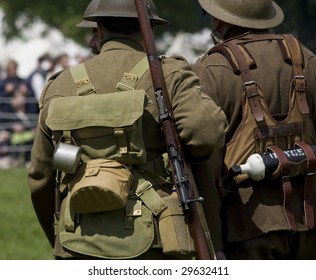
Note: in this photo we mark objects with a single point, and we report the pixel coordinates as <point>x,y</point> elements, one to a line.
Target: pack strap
<point>250,37</point>
<point>82,80</point>
<point>308,187</point>
<point>235,52</point>
<point>286,185</point>
<point>69,216</point>
<point>130,80</point>
<point>249,83</point>
<point>299,81</point>
<point>148,194</point>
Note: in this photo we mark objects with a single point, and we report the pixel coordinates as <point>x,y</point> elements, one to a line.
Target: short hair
<point>120,25</point>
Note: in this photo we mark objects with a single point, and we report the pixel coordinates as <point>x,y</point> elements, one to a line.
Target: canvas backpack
<point>113,207</point>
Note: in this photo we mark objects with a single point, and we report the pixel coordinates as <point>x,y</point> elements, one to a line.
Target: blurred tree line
<point>185,15</point>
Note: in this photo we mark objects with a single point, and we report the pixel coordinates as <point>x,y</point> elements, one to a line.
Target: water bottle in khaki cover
<point>100,185</point>
<point>174,231</point>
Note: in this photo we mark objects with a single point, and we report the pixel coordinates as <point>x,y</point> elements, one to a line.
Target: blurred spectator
<point>62,62</point>
<point>23,127</point>
<point>18,115</point>
<point>9,85</point>
<point>38,77</point>
<point>2,73</point>
<point>5,159</point>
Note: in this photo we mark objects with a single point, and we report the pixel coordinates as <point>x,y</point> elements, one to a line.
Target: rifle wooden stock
<point>179,166</point>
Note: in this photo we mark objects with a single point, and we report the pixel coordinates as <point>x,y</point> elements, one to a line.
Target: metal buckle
<point>250,83</point>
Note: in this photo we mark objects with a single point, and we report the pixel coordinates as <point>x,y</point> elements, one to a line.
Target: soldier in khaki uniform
<point>93,42</point>
<point>254,223</point>
<point>200,122</point>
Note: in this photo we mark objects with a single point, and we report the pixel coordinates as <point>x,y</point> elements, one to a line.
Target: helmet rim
<point>120,9</point>
<point>273,19</point>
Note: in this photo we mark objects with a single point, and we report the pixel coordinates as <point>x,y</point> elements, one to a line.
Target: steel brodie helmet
<point>88,23</point>
<point>257,14</point>
<point>121,9</point>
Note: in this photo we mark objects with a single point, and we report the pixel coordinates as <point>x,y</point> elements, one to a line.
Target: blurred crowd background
<point>19,99</point>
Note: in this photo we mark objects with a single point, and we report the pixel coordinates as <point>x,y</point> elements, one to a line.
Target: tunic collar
<point>121,44</point>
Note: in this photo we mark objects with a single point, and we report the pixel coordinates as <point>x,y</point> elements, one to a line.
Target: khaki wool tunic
<point>200,122</point>
<point>251,212</point>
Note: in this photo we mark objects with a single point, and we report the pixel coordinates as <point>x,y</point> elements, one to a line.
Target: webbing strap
<point>171,211</point>
<point>82,80</point>
<point>69,216</point>
<point>130,79</point>
<point>121,140</point>
<point>308,187</point>
<point>286,184</point>
<point>148,195</point>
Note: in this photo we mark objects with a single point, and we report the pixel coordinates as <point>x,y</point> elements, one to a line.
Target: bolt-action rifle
<point>180,169</point>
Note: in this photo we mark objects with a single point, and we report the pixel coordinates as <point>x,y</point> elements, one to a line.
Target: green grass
<point>21,237</point>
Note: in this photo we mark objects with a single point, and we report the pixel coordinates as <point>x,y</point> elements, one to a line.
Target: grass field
<point>21,237</point>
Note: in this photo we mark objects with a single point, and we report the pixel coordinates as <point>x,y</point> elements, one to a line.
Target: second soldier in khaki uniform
<point>254,215</point>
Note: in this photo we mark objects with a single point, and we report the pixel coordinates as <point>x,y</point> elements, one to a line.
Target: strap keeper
<point>250,83</point>
<point>151,198</point>
<point>143,188</point>
<point>299,77</point>
<point>128,82</point>
<point>123,87</point>
<point>120,134</point>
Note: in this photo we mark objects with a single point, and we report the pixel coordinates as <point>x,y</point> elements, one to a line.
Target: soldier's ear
<point>101,31</point>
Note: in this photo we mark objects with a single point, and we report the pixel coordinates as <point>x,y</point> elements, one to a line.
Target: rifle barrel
<point>177,160</point>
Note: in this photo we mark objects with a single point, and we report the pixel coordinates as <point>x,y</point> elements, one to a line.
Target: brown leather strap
<point>249,83</point>
<point>249,38</point>
<point>220,48</point>
<point>234,50</point>
<point>286,185</point>
<point>308,187</point>
<point>299,82</point>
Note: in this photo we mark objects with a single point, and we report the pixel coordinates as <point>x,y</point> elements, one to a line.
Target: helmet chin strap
<point>216,37</point>
<point>219,30</point>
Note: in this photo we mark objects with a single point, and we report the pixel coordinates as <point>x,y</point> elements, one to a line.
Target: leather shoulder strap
<point>242,63</point>
<point>292,52</point>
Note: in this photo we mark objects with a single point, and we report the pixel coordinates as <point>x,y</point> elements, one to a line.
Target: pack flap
<point>111,110</point>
